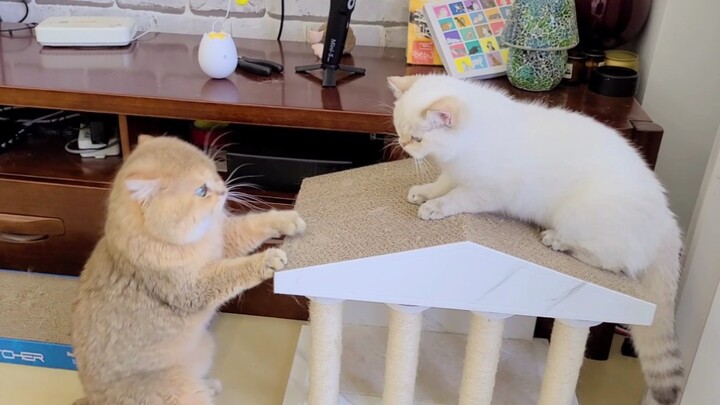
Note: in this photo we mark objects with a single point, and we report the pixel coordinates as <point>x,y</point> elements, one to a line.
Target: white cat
<point>577,178</point>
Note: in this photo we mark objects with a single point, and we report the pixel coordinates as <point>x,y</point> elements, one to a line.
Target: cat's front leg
<point>222,280</point>
<point>424,192</point>
<point>457,201</point>
<point>246,233</point>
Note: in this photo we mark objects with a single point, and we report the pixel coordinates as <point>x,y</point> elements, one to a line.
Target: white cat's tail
<point>657,344</point>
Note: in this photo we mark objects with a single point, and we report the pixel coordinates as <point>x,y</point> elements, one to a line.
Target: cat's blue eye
<point>201,191</point>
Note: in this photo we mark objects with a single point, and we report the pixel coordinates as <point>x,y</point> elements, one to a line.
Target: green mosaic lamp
<point>539,33</point>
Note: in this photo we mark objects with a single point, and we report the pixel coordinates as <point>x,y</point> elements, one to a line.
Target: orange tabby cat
<point>169,258</point>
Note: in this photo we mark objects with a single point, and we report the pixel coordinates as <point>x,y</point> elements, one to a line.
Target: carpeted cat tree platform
<point>366,243</point>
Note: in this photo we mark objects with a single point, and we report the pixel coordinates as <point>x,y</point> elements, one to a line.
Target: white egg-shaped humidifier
<point>217,55</point>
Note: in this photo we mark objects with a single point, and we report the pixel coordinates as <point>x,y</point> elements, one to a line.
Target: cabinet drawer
<point>49,228</point>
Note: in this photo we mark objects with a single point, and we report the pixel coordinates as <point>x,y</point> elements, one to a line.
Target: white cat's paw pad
<point>416,195</point>
<point>551,239</point>
<point>433,210</point>
<point>214,385</point>
<point>275,259</point>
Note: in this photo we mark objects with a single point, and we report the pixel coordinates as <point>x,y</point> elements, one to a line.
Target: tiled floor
<point>256,360</point>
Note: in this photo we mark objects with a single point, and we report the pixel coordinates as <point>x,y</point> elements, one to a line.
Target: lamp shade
<point>547,25</point>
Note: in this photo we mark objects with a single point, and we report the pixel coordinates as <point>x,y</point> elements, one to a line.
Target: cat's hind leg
<point>555,241</point>
<point>172,386</point>
<point>424,192</point>
<point>551,239</point>
<point>201,360</point>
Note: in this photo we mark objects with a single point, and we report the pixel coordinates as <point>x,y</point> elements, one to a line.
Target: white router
<point>86,31</point>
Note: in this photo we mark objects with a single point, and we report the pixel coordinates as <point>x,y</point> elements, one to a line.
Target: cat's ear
<point>142,188</point>
<point>400,84</point>
<point>142,138</point>
<point>444,112</point>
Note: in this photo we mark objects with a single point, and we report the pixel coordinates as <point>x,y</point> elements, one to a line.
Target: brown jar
<point>594,58</point>
<point>574,68</point>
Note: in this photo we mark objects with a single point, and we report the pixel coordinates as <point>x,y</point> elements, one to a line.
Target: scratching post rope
<point>401,359</point>
<point>567,351</point>
<point>325,351</point>
<point>481,358</point>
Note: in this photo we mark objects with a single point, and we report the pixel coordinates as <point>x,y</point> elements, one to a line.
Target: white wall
<point>375,22</point>
<point>702,386</point>
<point>680,89</point>
<point>702,272</point>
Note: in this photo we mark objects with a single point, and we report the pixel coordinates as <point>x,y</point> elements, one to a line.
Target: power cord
<point>15,129</point>
<point>27,10</point>
<point>71,147</point>
<point>282,19</point>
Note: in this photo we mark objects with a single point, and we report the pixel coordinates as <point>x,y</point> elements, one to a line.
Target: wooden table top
<point>159,76</point>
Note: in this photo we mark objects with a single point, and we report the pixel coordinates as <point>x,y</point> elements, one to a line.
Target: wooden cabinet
<point>49,228</point>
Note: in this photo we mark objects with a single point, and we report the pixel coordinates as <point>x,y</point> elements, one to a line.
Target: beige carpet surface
<point>362,213</point>
<point>36,306</point>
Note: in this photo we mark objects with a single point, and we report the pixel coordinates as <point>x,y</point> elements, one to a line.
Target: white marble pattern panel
<point>439,277</point>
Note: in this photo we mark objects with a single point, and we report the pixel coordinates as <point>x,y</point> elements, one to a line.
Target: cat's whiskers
<point>393,148</point>
<point>423,169</point>
<point>221,136</point>
<point>250,197</point>
<point>426,169</point>
<point>232,181</point>
<point>392,144</point>
<point>230,177</point>
<point>245,200</point>
<point>244,185</point>
<point>206,145</point>
<point>220,149</point>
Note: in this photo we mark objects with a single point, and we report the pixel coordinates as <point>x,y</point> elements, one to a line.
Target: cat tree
<point>366,243</point>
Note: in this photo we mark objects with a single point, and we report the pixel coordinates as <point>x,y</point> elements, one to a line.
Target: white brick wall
<point>375,22</point>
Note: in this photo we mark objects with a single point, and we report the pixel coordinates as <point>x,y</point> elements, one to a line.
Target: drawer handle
<point>26,228</point>
<point>18,238</point>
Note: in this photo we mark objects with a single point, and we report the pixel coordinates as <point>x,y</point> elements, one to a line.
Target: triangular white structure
<point>366,243</point>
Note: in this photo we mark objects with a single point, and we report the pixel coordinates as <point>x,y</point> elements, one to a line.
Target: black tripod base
<point>329,72</point>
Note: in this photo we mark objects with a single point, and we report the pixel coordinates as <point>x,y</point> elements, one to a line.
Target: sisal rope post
<point>567,351</point>
<point>325,351</point>
<point>403,347</point>
<point>482,355</point>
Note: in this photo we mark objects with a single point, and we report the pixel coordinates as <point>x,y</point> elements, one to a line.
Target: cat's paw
<point>275,259</point>
<point>289,223</point>
<point>214,385</point>
<point>433,209</point>
<point>416,195</point>
<point>551,239</point>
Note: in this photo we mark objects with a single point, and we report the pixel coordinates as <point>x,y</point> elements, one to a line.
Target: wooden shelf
<point>43,158</point>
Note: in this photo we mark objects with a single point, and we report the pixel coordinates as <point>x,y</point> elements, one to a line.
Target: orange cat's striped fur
<point>170,256</point>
